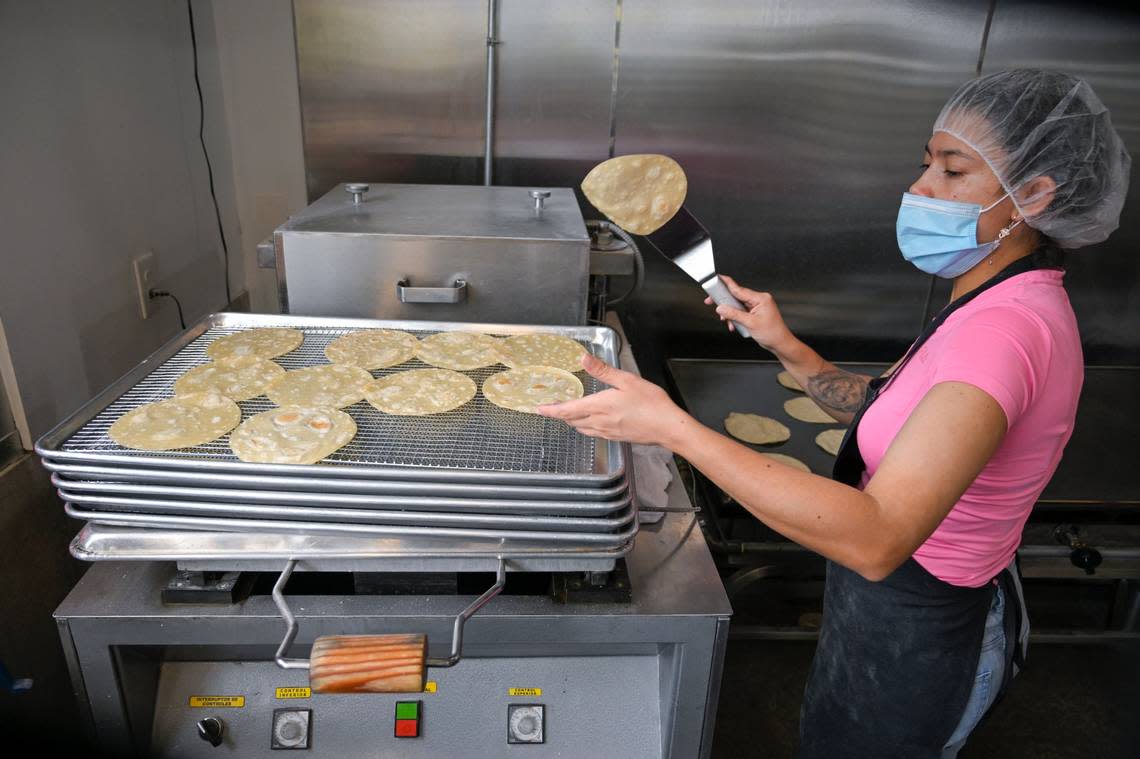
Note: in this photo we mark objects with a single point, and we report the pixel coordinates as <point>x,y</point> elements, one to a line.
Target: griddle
<point>1098,467</point>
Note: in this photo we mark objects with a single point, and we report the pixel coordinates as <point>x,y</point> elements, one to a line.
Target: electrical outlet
<point>144,274</point>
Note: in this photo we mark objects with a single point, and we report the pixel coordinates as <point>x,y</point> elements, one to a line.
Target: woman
<point>944,460</point>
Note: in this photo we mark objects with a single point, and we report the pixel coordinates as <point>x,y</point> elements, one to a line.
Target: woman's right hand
<point>762,317</point>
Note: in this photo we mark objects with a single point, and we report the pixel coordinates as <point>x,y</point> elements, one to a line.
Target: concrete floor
<point>36,572</point>
<point>1072,701</point>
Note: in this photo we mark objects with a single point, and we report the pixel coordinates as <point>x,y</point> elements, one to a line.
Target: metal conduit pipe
<point>489,126</point>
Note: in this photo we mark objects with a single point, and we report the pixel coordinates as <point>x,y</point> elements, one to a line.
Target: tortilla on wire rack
<point>372,348</point>
<point>266,342</point>
<point>527,388</point>
<point>460,351</point>
<point>542,349</point>
<point>639,193</point>
<point>333,385</point>
<point>238,379</point>
<point>418,392</point>
<point>179,422</point>
<point>292,435</point>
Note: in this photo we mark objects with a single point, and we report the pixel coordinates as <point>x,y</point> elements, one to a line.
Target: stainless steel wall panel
<point>1100,42</point>
<point>553,91</point>
<point>391,91</point>
<point>799,124</point>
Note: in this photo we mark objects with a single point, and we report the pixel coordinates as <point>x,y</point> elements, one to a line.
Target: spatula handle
<point>718,291</point>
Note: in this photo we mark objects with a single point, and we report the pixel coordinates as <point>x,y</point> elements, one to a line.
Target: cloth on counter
<point>652,477</point>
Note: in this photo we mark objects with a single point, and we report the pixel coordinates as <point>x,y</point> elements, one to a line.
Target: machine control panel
<point>492,707</point>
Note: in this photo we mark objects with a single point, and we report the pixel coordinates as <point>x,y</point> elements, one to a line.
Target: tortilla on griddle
<point>292,435</point>
<point>639,193</point>
<point>806,410</point>
<point>527,388</point>
<point>830,440</point>
<point>372,348</point>
<point>787,380</point>
<point>268,342</point>
<point>418,392</point>
<point>179,422</point>
<point>333,385</point>
<point>752,428</point>
<point>238,379</point>
<point>786,460</point>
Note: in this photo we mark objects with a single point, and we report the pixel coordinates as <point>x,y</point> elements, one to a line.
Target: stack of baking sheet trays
<point>481,474</point>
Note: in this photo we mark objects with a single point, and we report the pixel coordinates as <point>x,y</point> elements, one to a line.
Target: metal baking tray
<point>199,550</point>
<point>488,537</point>
<point>343,501</point>
<point>545,523</point>
<point>478,443</point>
<point>340,485</point>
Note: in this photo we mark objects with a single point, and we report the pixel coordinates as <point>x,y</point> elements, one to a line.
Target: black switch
<point>211,729</point>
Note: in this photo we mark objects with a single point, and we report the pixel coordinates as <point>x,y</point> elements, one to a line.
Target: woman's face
<point>953,171</point>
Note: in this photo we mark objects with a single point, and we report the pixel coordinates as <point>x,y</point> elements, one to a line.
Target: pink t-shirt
<point>1018,342</point>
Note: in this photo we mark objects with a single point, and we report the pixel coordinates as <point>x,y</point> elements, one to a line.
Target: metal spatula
<point>685,242</point>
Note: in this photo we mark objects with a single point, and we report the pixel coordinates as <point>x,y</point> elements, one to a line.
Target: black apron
<point>896,659</point>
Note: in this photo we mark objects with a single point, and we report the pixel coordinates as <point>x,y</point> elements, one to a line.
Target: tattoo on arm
<point>838,390</point>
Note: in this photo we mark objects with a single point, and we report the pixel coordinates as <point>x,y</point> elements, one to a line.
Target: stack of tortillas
<point>639,193</point>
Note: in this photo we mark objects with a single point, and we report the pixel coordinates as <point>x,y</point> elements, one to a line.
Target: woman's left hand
<point>631,410</point>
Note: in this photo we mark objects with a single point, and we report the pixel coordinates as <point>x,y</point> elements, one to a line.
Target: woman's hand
<point>762,318</point>
<point>631,410</point>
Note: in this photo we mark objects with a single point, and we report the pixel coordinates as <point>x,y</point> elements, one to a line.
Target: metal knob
<point>1083,556</point>
<point>211,729</point>
<point>356,191</point>
<point>540,197</point>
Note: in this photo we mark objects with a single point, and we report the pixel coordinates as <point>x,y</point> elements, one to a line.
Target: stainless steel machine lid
<point>444,211</point>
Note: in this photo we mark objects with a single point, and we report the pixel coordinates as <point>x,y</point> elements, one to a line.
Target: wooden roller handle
<point>368,664</point>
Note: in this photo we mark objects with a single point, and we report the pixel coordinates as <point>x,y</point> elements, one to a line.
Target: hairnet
<point>1028,123</point>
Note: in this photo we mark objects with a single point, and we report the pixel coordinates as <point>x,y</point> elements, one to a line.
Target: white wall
<point>100,161</point>
<point>258,59</point>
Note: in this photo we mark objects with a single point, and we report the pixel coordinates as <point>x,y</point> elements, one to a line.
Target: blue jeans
<point>987,681</point>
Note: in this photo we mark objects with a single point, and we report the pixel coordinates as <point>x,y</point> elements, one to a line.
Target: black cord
<point>206,153</point>
<point>164,294</point>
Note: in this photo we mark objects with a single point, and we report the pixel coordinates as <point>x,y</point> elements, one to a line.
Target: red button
<point>407,728</point>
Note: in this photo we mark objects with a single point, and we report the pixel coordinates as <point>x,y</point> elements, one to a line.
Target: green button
<point>407,710</point>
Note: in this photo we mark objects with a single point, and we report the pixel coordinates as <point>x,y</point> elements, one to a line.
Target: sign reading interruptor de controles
<point>217,702</point>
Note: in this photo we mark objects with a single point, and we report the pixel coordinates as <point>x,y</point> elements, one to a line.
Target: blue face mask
<point>940,237</point>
